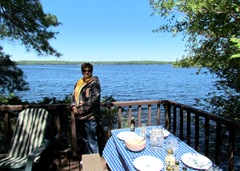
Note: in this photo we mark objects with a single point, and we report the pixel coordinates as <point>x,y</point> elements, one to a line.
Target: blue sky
<point>106,30</point>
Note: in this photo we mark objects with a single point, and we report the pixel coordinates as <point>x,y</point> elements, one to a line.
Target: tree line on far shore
<point>57,62</point>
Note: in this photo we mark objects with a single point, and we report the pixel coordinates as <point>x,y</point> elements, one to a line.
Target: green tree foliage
<point>11,78</point>
<point>25,22</point>
<point>212,32</point>
<point>237,45</point>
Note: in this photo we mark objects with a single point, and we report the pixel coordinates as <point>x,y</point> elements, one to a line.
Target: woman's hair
<point>87,65</point>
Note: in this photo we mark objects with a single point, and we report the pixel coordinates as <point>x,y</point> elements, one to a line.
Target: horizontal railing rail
<point>205,132</point>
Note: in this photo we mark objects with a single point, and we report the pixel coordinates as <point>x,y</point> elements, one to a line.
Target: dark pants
<point>87,136</point>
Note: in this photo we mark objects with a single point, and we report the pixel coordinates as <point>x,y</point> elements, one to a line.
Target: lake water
<point>123,82</point>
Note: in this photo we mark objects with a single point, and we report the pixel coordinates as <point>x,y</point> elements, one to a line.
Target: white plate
<point>196,161</point>
<point>125,135</point>
<point>165,132</point>
<point>148,163</point>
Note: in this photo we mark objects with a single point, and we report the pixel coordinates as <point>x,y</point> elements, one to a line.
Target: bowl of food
<point>135,143</point>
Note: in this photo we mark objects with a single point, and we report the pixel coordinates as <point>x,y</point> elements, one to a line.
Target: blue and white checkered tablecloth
<point>119,158</point>
<point>111,155</point>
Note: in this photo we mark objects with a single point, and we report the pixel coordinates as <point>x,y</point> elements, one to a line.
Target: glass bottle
<point>132,124</point>
<point>170,159</point>
<point>168,168</point>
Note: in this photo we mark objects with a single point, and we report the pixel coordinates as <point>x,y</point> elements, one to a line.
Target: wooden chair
<point>28,141</point>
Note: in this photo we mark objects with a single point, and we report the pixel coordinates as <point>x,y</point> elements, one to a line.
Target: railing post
<point>188,128</point>
<point>129,114</point>
<point>167,116</point>
<point>218,144</point>
<point>7,125</point>
<point>206,151</point>
<point>58,126</point>
<point>149,114</point>
<point>231,149</point>
<point>139,115</point>
<point>73,134</point>
<point>119,117</point>
<point>158,114</point>
<point>181,124</point>
<point>196,132</point>
<point>110,126</point>
<point>174,119</point>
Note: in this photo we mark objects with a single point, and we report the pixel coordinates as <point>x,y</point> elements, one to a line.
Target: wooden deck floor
<point>65,162</point>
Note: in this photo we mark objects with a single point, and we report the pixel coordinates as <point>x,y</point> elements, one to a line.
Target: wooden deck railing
<point>209,134</point>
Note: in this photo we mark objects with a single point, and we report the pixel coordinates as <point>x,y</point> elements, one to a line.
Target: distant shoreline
<point>24,62</point>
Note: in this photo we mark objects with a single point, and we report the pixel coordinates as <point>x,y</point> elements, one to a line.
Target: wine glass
<point>173,144</point>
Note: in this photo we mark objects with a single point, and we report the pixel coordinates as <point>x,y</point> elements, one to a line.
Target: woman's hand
<point>77,111</point>
<point>74,109</point>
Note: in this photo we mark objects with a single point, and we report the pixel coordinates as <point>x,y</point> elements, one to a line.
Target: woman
<point>85,105</point>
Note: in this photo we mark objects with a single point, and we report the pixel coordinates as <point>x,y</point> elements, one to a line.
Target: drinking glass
<point>143,130</point>
<point>156,139</point>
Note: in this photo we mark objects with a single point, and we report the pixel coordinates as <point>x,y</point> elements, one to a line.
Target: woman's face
<point>86,72</point>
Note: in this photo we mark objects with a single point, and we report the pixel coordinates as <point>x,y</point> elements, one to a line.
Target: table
<point>119,158</point>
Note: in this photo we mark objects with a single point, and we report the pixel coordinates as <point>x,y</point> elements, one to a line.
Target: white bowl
<point>135,143</point>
